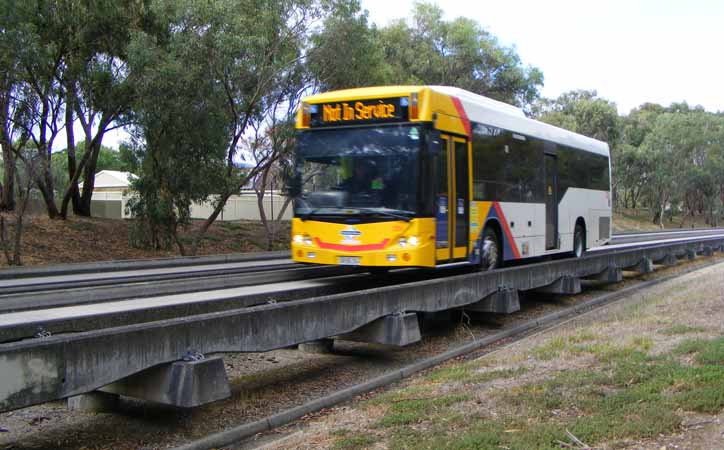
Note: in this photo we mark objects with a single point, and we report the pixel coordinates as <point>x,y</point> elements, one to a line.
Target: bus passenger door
<point>462,197</point>
<point>443,220</point>
<point>551,202</point>
<point>452,199</point>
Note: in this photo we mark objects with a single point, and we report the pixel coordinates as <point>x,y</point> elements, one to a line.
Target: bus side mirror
<point>433,142</point>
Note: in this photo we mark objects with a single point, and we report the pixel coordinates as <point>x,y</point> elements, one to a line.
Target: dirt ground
<point>524,395</point>
<point>81,239</point>
<point>625,220</point>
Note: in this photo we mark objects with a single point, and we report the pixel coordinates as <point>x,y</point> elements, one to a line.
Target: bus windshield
<point>359,171</point>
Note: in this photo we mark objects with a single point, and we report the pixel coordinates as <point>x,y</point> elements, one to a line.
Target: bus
<point>430,176</point>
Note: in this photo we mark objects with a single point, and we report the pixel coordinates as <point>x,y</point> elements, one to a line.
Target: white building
<point>112,191</point>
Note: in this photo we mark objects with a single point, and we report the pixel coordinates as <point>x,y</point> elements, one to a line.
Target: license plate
<point>348,260</point>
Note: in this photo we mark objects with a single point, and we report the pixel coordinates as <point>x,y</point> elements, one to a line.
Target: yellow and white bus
<point>428,176</point>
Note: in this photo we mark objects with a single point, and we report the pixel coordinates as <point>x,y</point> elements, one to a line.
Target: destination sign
<point>359,112</point>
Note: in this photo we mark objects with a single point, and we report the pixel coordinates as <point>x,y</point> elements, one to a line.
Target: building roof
<point>112,179</point>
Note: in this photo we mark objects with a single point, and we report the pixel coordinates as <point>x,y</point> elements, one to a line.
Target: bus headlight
<point>412,241</point>
<point>299,239</point>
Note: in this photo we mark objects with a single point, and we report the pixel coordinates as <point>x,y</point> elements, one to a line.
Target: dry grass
<point>81,239</point>
<point>627,220</point>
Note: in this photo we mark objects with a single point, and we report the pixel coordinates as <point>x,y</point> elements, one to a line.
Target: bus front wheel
<point>490,255</point>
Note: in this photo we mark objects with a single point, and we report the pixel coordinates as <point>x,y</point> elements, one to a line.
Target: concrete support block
<point>504,301</point>
<point>396,329</point>
<point>707,251</point>
<point>609,275</point>
<point>668,260</point>
<point>563,285</point>
<point>93,402</point>
<point>185,384</point>
<point>318,347</point>
<point>690,254</point>
<point>645,265</point>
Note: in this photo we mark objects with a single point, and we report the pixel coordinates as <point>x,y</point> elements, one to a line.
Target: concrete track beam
<point>395,329</point>
<point>185,384</point>
<point>503,301</point>
<point>564,285</point>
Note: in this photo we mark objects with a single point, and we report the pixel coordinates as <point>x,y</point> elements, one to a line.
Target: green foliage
<point>425,49</point>
<point>583,112</point>
<point>347,52</point>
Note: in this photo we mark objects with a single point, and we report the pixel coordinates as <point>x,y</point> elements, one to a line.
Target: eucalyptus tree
<point>97,84</point>
<point>684,150</point>
<point>12,107</point>
<point>36,47</point>
<point>426,49</point>
<point>213,70</point>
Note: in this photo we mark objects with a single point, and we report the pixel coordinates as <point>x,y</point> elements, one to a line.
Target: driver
<point>363,180</point>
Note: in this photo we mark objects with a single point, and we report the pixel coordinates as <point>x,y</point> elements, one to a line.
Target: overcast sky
<point>630,51</point>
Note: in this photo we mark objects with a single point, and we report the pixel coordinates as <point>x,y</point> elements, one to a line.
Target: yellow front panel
<point>374,243</point>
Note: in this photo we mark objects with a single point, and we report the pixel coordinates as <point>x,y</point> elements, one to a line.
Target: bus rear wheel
<point>579,241</point>
<point>490,252</point>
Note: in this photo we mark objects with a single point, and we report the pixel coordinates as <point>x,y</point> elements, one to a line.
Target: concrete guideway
<point>97,294</point>
<point>638,236</point>
<point>136,264</point>
<point>86,317</point>
<point>632,240</point>
<point>43,283</point>
<point>60,366</point>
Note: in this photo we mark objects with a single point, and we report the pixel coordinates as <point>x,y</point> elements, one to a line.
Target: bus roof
<point>502,115</point>
<point>479,109</point>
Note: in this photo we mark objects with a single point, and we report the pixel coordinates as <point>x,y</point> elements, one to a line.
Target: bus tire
<point>491,252</point>
<point>579,241</point>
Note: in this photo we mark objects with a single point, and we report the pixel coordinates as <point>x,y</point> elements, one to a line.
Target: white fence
<point>112,205</point>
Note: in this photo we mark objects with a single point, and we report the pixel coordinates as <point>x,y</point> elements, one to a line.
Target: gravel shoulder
<point>647,373</point>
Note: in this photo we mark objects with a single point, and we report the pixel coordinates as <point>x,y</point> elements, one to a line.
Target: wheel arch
<point>581,221</point>
<point>493,223</point>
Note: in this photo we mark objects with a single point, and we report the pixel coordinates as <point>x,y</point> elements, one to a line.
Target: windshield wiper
<point>385,213</point>
<point>313,211</point>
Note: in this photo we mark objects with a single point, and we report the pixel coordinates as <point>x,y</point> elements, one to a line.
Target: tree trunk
<point>89,175</point>
<point>48,198</point>
<point>72,164</point>
<point>45,184</point>
<point>7,194</point>
<point>223,198</point>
